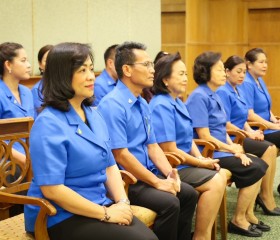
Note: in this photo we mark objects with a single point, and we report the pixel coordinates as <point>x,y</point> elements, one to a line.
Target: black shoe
<point>274,212</point>
<point>263,227</point>
<point>252,230</point>
<point>278,189</point>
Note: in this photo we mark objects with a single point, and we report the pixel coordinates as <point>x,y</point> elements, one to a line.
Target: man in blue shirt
<point>135,149</point>
<point>106,81</point>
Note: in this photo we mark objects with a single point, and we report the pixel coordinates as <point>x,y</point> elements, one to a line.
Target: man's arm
<point>159,159</point>
<point>132,165</point>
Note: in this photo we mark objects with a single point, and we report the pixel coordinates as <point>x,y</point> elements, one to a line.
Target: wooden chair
<point>145,215</point>
<point>11,131</point>
<point>208,151</point>
<point>15,130</point>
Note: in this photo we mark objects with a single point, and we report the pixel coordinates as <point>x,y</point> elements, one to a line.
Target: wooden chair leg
<point>223,217</point>
<point>214,230</point>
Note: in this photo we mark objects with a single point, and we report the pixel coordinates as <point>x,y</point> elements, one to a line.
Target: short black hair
<point>63,60</point>
<point>41,54</point>
<point>110,52</point>
<point>159,55</point>
<point>8,51</point>
<point>202,66</point>
<point>163,69</point>
<point>232,61</point>
<point>252,55</point>
<point>43,50</point>
<point>125,55</point>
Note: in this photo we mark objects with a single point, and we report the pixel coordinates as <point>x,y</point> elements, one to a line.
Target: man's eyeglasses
<point>145,64</point>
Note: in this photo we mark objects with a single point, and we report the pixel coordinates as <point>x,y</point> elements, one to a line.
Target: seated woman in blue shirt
<point>15,99</point>
<point>72,162</point>
<point>233,99</point>
<point>257,96</point>
<point>37,88</point>
<point>174,133</point>
<point>209,121</point>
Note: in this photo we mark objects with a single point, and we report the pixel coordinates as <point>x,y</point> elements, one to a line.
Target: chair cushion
<point>145,215</point>
<point>13,229</point>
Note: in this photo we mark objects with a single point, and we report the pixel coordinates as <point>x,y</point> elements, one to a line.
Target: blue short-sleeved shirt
<point>103,85</point>
<point>11,108</point>
<point>37,96</point>
<point>129,122</point>
<point>171,122</point>
<point>234,105</point>
<point>64,150</point>
<point>257,98</point>
<point>207,111</point>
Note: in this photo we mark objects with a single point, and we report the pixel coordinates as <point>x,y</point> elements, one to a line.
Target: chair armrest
<point>174,158</point>
<point>46,208</point>
<point>128,179</point>
<point>208,149</point>
<point>239,136</point>
<point>259,125</point>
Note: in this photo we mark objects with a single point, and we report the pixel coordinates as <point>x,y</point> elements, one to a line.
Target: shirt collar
<point>109,80</point>
<point>127,96</point>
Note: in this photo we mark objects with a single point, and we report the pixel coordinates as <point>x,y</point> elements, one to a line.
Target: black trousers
<point>84,228</point>
<point>174,213</point>
<point>273,137</point>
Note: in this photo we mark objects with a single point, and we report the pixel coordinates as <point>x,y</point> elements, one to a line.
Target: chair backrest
<point>15,176</point>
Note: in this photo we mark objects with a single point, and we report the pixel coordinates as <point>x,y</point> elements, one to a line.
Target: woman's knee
<point>273,150</point>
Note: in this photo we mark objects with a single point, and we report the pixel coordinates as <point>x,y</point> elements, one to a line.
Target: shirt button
<point>104,153</point>
<point>103,172</point>
<point>102,195</point>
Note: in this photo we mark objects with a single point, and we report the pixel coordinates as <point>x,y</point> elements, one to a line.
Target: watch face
<point>124,201</point>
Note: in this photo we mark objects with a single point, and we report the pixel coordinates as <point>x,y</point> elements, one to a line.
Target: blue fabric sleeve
<point>249,91</point>
<point>49,152</point>
<point>114,116</point>
<point>197,108</point>
<point>225,98</point>
<point>164,123</point>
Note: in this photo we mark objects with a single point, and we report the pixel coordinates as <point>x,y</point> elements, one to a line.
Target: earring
<point>166,84</point>
<point>10,71</point>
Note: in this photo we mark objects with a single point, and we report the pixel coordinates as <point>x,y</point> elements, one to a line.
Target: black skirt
<point>255,147</point>
<point>273,138</point>
<point>244,176</point>
<point>196,176</point>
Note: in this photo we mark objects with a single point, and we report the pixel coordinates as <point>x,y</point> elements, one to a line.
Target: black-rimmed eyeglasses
<point>145,64</point>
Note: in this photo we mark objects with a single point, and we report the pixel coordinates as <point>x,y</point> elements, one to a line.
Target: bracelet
<point>106,217</point>
<point>124,200</point>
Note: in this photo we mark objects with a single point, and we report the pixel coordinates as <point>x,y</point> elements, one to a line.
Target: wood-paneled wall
<point>228,26</point>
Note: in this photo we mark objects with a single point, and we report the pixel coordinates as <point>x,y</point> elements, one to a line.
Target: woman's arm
<point>194,158</point>
<point>76,204</point>
<point>253,134</point>
<point>255,117</point>
<point>18,156</point>
<point>274,119</point>
<point>114,183</point>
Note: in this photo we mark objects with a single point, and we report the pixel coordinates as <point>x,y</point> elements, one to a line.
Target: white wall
<point>35,23</point>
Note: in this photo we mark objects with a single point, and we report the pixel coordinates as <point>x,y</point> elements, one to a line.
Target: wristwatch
<point>124,200</point>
